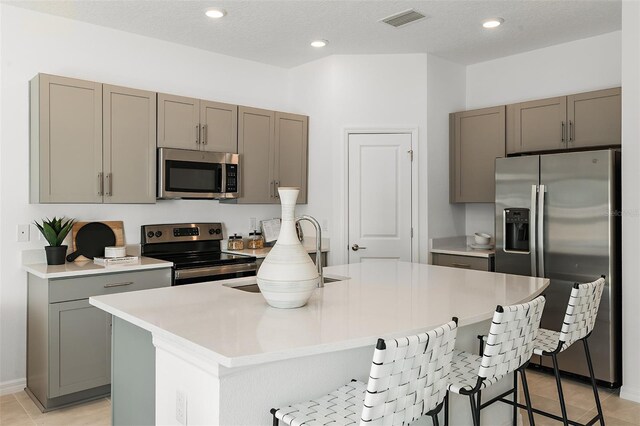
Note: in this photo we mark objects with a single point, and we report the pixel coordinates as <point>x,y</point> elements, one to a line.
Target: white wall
<point>578,66</point>
<point>446,82</point>
<point>362,91</point>
<point>630,198</point>
<point>33,43</point>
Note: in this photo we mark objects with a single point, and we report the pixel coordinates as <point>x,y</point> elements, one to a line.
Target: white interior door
<point>380,197</point>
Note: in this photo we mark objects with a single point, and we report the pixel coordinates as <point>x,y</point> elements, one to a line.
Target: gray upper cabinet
<point>66,140</point>
<point>129,141</point>
<point>219,127</point>
<point>537,125</point>
<point>582,120</point>
<point>178,122</point>
<point>91,143</point>
<point>595,118</point>
<point>291,141</point>
<point>477,138</point>
<point>273,152</point>
<point>256,135</point>
<point>189,123</point>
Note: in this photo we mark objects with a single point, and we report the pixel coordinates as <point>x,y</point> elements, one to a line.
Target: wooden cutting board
<point>116,225</point>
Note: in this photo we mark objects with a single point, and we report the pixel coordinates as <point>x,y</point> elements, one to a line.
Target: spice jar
<point>255,240</point>
<point>235,242</point>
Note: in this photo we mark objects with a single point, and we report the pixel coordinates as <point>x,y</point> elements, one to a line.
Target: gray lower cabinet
<point>463,262</point>
<point>69,340</point>
<point>91,143</point>
<point>477,138</point>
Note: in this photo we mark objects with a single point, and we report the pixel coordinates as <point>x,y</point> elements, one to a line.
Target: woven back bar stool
<point>578,324</point>
<point>508,349</point>
<point>408,379</point>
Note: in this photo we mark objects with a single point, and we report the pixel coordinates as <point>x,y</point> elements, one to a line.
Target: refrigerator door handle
<point>532,232</point>
<point>540,236</point>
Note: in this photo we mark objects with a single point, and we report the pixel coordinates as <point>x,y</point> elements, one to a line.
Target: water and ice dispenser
<point>516,230</point>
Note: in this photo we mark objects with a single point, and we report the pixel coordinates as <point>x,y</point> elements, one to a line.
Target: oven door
<point>213,273</point>
<point>184,173</point>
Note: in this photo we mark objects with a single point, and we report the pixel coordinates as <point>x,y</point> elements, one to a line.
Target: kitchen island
<point>223,356</point>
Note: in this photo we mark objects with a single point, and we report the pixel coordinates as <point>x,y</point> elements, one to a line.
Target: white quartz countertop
<point>263,252</point>
<point>380,299</point>
<point>75,269</point>
<point>464,251</point>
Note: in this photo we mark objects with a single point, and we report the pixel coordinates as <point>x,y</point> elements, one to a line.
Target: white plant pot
<point>287,276</point>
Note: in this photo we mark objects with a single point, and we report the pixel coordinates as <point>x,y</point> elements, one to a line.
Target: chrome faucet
<point>318,245</point>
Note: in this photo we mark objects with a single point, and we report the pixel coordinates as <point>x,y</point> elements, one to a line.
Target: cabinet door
<point>256,149</point>
<point>80,347</point>
<point>66,140</point>
<point>178,122</point>
<point>463,262</point>
<point>537,125</point>
<point>129,141</point>
<point>595,118</point>
<point>291,141</point>
<point>219,127</point>
<point>478,139</point>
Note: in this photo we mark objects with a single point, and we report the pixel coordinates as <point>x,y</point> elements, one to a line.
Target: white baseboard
<point>12,386</point>
<point>630,393</point>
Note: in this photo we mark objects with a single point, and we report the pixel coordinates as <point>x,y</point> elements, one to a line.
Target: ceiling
<point>279,32</point>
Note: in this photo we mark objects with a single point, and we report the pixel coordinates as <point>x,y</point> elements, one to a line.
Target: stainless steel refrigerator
<point>558,216</point>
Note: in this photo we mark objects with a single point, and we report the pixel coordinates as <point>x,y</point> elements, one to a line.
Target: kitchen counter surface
<point>235,328</point>
<point>76,269</point>
<point>310,246</point>
<point>459,246</point>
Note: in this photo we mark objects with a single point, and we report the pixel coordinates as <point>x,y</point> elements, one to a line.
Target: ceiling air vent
<point>403,18</point>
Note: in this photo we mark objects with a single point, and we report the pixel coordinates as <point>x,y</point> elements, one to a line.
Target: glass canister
<point>255,240</point>
<point>235,242</point>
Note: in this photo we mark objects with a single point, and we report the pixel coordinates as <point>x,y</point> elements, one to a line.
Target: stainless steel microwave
<point>183,173</point>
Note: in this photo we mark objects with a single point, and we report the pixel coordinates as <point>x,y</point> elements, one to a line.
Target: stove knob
<point>150,234</point>
<point>212,231</point>
<point>218,231</point>
<point>158,234</point>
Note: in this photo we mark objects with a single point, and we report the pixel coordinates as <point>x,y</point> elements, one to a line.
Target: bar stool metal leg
<point>275,419</point>
<point>556,371</point>
<point>515,398</point>
<point>527,397</point>
<point>474,410</point>
<point>593,380</point>
<point>446,409</point>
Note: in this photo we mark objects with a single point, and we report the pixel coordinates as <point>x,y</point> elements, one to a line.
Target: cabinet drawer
<point>64,289</point>
<point>464,262</point>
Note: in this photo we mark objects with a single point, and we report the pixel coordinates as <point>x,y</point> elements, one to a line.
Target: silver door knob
<point>356,247</point>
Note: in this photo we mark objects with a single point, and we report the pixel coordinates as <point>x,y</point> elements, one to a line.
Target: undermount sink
<point>253,288</point>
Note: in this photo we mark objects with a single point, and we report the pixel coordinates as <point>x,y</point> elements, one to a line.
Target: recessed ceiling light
<point>215,13</point>
<point>492,23</point>
<point>319,43</point>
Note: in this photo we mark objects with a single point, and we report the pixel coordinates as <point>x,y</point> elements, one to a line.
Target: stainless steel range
<point>194,249</point>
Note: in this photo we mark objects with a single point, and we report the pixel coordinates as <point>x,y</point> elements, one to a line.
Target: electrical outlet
<point>181,407</point>
<point>23,233</point>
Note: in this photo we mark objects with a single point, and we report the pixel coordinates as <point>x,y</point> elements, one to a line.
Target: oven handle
<point>214,270</point>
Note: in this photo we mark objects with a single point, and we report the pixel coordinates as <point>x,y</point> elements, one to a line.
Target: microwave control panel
<point>232,178</point>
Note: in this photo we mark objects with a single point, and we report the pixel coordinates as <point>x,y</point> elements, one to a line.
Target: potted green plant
<point>55,231</point>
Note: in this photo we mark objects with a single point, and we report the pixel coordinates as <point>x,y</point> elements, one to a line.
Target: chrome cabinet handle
<point>562,135</point>
<point>356,247</point>
<point>109,184</point>
<point>197,134</point>
<point>276,186</point>
<point>570,130</point>
<point>100,184</point>
<point>461,265</point>
<point>204,134</point>
<point>118,284</point>
<point>272,186</point>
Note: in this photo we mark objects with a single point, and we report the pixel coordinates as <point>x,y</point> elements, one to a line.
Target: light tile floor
<point>18,409</point>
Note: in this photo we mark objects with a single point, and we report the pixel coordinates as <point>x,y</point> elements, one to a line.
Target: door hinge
<point>410,152</point>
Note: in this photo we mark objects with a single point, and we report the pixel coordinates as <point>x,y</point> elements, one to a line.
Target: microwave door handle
<point>543,190</point>
<point>532,232</point>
